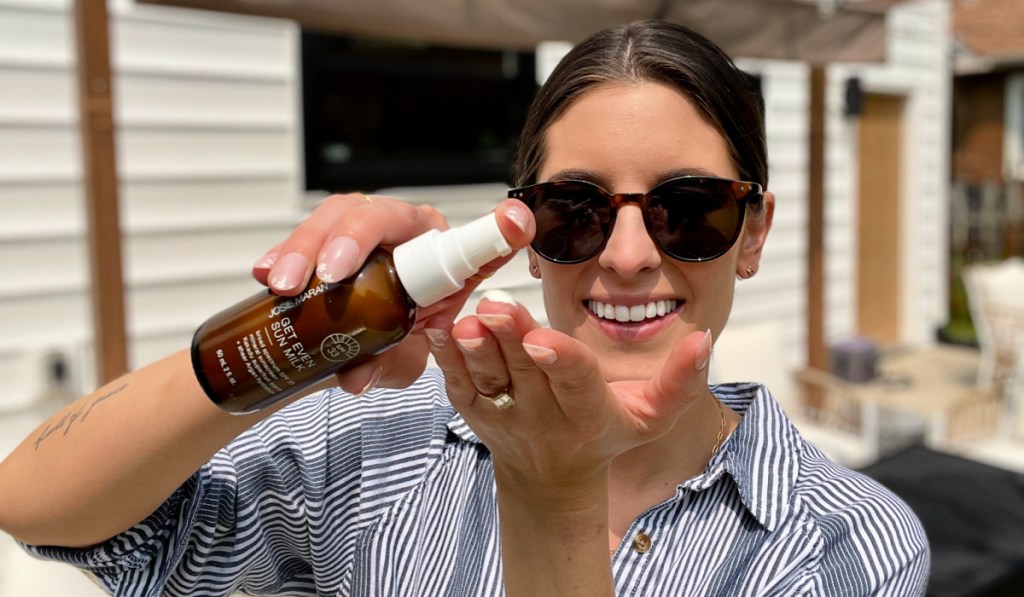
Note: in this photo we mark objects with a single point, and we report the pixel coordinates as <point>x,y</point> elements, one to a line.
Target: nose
<point>630,250</point>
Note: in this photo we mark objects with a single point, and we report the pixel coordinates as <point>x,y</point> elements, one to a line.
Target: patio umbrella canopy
<point>817,31</point>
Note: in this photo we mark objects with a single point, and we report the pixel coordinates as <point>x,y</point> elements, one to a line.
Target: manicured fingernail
<point>288,272</point>
<point>517,216</point>
<point>373,380</point>
<point>470,344</point>
<point>704,351</point>
<point>498,296</point>
<point>437,336</point>
<point>540,354</point>
<point>338,259</point>
<point>496,322</point>
<point>267,261</point>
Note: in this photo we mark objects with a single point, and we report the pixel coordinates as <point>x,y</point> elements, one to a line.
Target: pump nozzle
<point>436,264</point>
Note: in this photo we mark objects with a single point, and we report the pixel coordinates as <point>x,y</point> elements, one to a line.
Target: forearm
<point>110,459</point>
<point>555,542</point>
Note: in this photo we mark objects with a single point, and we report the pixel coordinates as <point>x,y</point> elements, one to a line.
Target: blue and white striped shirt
<point>393,494</point>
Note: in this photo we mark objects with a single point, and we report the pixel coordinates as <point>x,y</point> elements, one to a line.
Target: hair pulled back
<point>652,52</point>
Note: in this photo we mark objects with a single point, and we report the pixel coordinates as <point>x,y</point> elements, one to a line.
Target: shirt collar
<point>762,454</point>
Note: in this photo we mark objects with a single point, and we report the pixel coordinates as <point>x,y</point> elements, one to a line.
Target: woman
<point>596,444</point>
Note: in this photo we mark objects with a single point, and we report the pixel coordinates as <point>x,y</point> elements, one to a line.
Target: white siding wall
<point>208,149</point>
<point>777,293</point>
<point>918,68</point>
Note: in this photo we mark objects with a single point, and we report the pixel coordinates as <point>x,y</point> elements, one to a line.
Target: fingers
<point>684,377</point>
<point>335,239</point>
<point>459,383</point>
<point>554,375</point>
<point>481,358</point>
<point>338,235</point>
<point>261,269</point>
<point>572,373</point>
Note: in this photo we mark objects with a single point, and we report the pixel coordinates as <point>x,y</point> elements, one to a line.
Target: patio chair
<point>995,299</point>
<point>982,429</point>
<point>988,426</point>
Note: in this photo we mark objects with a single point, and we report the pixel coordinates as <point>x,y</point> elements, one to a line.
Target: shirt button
<point>642,542</point>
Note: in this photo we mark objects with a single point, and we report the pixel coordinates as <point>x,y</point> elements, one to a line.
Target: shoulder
<point>869,536</point>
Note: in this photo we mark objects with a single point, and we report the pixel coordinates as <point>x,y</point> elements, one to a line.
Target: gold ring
<point>364,196</point>
<point>503,400</point>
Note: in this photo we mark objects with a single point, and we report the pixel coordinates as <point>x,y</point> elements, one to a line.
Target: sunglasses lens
<point>694,219</point>
<point>691,218</point>
<point>572,220</point>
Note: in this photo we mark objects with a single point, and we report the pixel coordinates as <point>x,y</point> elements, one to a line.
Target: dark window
<point>379,114</point>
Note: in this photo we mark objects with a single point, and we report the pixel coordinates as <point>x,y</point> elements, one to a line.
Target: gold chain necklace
<point>721,428</point>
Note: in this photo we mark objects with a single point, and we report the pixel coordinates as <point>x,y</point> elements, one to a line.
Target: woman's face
<point>627,138</point>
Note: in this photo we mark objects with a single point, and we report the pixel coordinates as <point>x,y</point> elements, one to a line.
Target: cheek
<point>713,287</point>
<point>559,286</point>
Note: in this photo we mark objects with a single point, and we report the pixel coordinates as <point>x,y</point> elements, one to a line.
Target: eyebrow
<point>592,177</point>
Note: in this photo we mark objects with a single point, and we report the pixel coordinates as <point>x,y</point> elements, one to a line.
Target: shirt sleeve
<point>873,544</point>
<point>239,523</point>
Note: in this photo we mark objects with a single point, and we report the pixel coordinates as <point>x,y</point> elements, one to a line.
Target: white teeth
<point>634,313</point>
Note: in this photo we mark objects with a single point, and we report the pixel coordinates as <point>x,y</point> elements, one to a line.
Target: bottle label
<point>283,306</point>
<point>339,348</point>
<point>256,351</point>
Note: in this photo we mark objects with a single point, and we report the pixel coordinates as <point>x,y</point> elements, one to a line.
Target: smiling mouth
<point>632,313</point>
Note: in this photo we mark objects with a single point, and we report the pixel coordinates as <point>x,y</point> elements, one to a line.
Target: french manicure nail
<point>373,380</point>
<point>338,259</point>
<point>470,344</point>
<point>437,336</point>
<point>540,354</point>
<point>288,272</point>
<point>517,216</point>
<point>497,295</point>
<point>496,322</point>
<point>704,351</point>
<point>267,261</point>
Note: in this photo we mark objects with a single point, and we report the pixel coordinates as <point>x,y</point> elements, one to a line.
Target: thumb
<point>684,377</point>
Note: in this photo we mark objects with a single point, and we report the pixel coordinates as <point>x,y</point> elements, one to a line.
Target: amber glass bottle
<point>269,347</point>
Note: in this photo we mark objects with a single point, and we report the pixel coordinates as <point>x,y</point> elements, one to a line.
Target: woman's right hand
<point>552,448</point>
<point>334,241</point>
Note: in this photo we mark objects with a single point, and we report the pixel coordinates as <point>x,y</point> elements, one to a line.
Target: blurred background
<point>151,152</point>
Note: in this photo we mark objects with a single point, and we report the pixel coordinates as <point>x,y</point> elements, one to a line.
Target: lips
<point>631,313</point>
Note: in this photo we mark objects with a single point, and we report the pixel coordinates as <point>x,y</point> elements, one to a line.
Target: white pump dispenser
<point>436,264</point>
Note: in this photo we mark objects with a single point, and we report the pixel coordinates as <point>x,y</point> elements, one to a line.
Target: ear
<point>534,263</point>
<point>755,233</point>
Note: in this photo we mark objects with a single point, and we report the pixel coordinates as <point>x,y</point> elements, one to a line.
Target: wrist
<point>554,534</point>
<point>575,494</point>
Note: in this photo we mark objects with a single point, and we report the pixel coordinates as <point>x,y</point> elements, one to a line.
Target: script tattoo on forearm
<point>80,414</point>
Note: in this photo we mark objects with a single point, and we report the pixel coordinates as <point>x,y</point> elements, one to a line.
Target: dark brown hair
<point>658,52</point>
